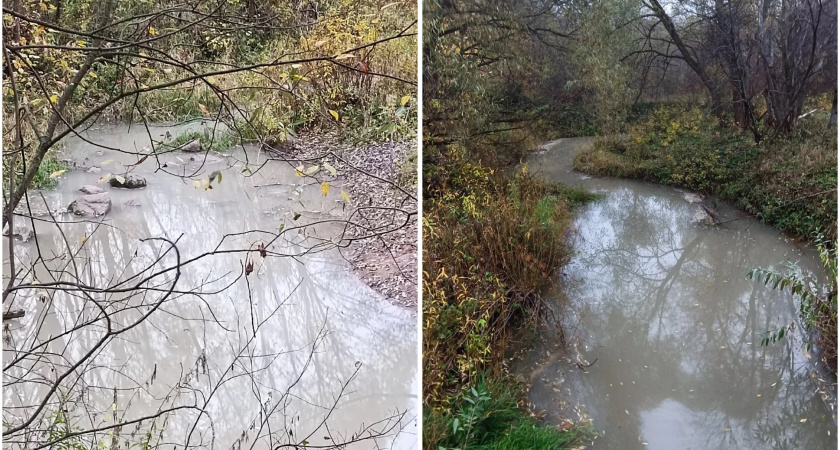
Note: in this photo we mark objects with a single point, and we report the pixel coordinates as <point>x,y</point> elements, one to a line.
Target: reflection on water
<point>234,345</point>
<point>661,308</point>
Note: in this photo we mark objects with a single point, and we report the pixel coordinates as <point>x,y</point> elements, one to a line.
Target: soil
<point>386,263</point>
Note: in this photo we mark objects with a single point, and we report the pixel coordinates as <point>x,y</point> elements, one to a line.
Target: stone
<point>91,205</point>
<point>21,232</point>
<point>128,182</point>
<point>91,189</point>
<point>193,146</point>
<point>94,169</point>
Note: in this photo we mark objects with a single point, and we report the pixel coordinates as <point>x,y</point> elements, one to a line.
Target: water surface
<point>283,342</point>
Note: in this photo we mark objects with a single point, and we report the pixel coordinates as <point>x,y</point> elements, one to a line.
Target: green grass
<point>221,140</point>
<point>49,165</point>
<point>487,416</point>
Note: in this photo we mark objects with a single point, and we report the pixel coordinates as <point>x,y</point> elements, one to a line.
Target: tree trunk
<point>832,119</point>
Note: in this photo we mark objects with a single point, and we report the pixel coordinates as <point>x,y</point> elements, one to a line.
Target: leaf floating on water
<point>803,420</point>
<point>249,267</point>
<point>312,170</point>
<point>196,184</point>
<point>345,197</point>
<point>330,169</point>
<point>758,395</point>
<point>105,178</point>
<point>325,188</point>
<point>299,170</point>
<point>57,173</point>
<point>296,217</point>
<point>106,162</point>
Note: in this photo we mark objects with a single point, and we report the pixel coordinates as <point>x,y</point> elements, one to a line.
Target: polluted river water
<point>663,328</point>
<point>298,350</point>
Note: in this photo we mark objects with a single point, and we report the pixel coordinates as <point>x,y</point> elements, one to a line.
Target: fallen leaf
<point>57,173</point>
<point>345,197</point>
<point>105,178</point>
<point>330,169</point>
<point>325,188</point>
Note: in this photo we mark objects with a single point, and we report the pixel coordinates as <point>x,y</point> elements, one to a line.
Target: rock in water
<point>128,182</point>
<point>91,189</point>
<point>92,205</point>
<point>280,143</point>
<point>22,232</point>
<point>193,146</point>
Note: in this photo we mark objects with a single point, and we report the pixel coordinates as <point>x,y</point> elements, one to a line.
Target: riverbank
<point>491,241</point>
<point>388,262</point>
<point>787,182</point>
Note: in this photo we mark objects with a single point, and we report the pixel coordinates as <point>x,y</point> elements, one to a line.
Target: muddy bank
<point>387,263</point>
<point>664,328</point>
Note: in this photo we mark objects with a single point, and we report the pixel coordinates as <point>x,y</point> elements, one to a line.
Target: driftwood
<point>13,314</point>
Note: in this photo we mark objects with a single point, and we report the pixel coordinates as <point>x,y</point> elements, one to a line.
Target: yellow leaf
<point>105,178</point>
<point>330,169</point>
<point>334,114</point>
<point>196,184</point>
<point>405,100</point>
<point>152,31</point>
<point>205,183</point>
<point>345,197</point>
<point>93,74</point>
<point>106,162</point>
<point>325,188</point>
<point>311,170</point>
<point>299,170</point>
<point>57,173</point>
<point>53,99</point>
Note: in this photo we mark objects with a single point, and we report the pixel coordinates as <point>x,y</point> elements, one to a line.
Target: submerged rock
<point>91,189</point>
<point>128,182</point>
<point>92,205</point>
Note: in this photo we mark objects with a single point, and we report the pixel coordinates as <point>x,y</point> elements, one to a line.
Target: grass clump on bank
<point>488,416</point>
<point>490,242</point>
<point>787,182</point>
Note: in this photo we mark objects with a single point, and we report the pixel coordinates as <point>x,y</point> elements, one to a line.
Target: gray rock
<point>92,205</point>
<point>91,189</point>
<point>193,146</point>
<point>94,169</point>
<point>21,232</point>
<point>128,182</point>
